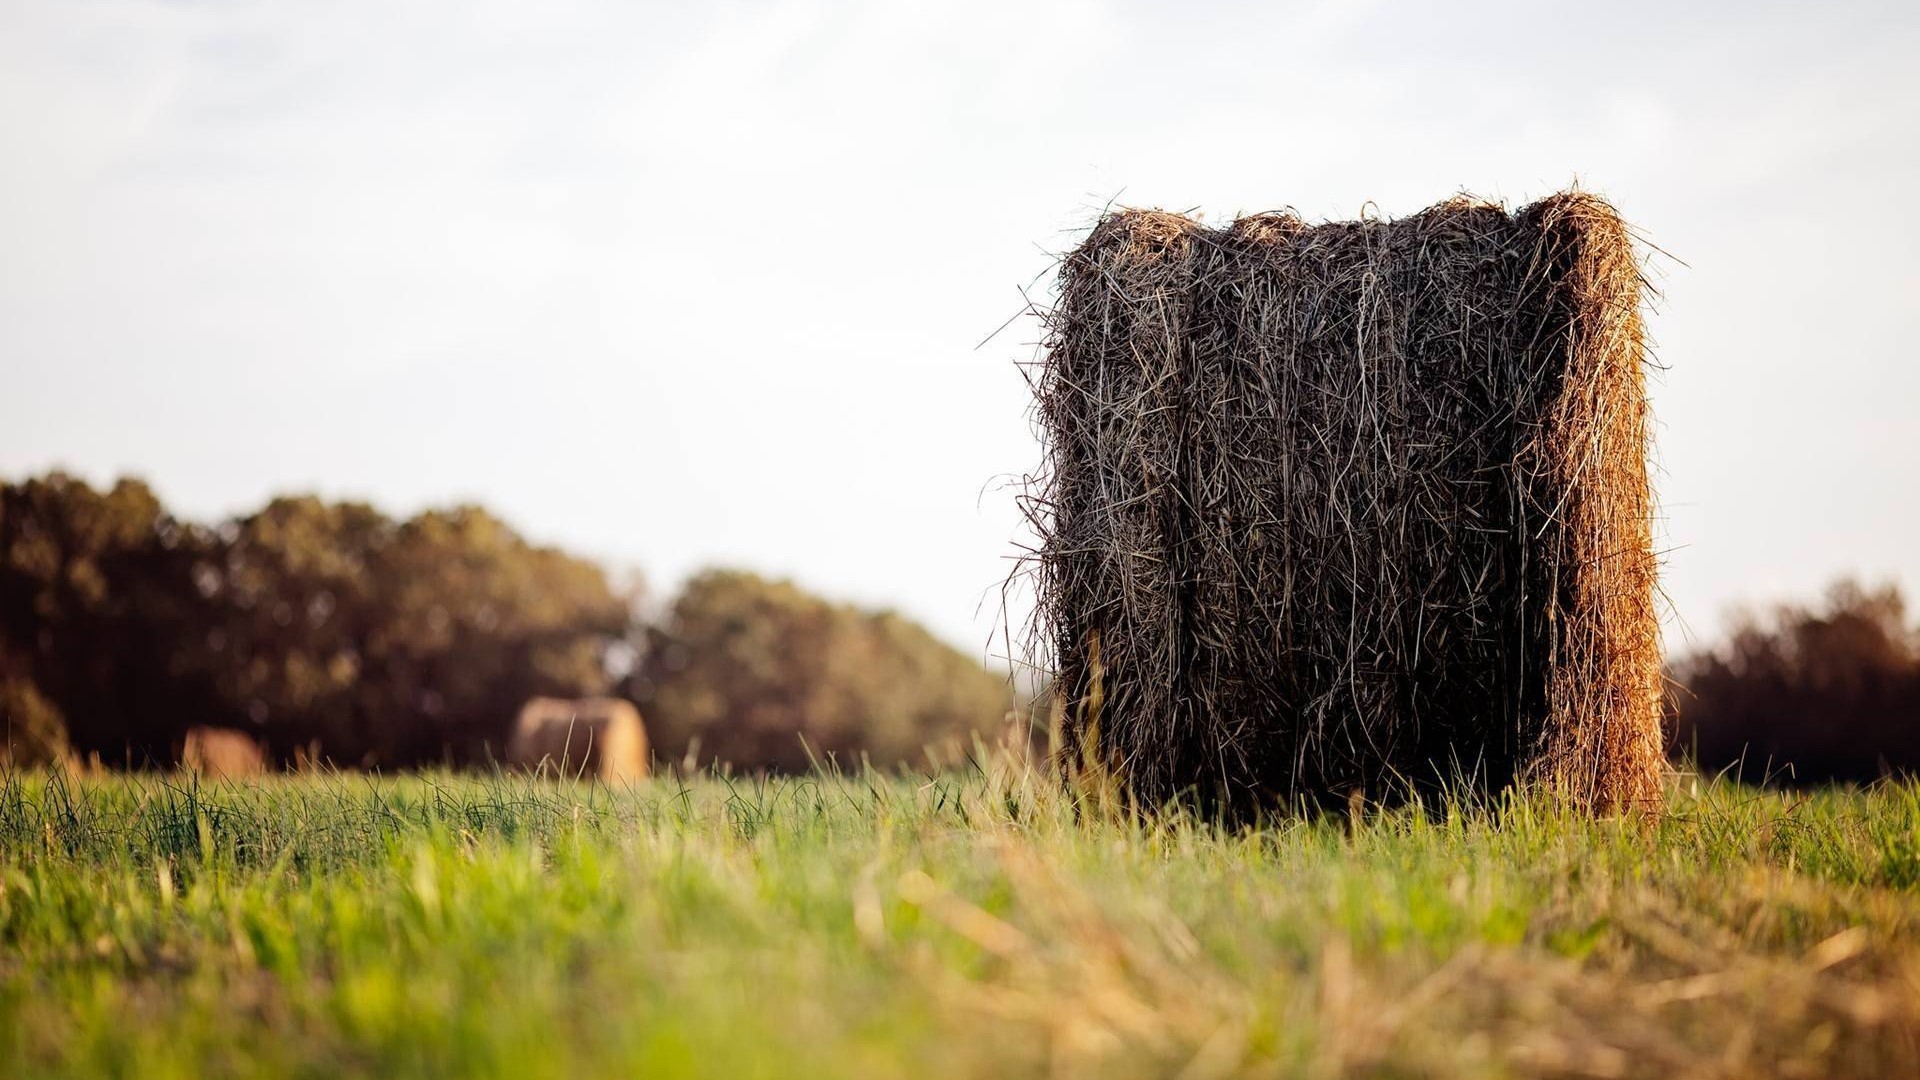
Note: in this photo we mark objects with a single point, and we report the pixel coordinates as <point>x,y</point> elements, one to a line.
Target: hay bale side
<point>1357,505</point>
<point>1603,739</point>
<point>222,753</point>
<point>596,737</point>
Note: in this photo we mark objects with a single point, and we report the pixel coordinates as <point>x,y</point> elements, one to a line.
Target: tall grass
<point>974,924</point>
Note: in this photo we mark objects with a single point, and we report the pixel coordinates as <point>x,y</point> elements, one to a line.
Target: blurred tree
<point>97,612</point>
<point>1807,696</point>
<point>383,643</point>
<point>329,628</point>
<point>309,624</point>
<point>479,620</point>
<point>747,667</point>
<point>299,604</point>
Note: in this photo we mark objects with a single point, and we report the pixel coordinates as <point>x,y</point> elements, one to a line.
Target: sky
<point>676,285</point>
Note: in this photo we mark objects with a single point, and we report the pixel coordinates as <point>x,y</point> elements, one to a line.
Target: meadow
<point>978,923</point>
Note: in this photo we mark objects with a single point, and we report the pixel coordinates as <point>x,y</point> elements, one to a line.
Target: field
<point>969,925</point>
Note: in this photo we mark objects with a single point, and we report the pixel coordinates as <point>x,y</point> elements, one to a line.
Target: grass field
<point>334,925</point>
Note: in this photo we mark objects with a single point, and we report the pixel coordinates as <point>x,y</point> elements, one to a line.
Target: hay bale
<point>600,737</point>
<point>222,753</point>
<point>1360,505</point>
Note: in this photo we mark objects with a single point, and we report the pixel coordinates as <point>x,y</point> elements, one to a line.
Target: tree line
<point>330,631</point>
<point>1806,694</point>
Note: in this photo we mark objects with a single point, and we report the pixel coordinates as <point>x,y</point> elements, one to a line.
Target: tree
<point>98,614</point>
<point>1808,695</point>
<point>745,668</point>
<point>295,588</point>
<point>311,625</point>
<point>384,643</point>
<point>477,620</point>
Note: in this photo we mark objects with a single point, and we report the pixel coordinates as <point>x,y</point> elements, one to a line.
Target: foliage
<point>394,643</point>
<point>330,631</point>
<point>744,669</point>
<point>99,618</point>
<point>1808,696</point>
<point>976,925</point>
<point>324,628</point>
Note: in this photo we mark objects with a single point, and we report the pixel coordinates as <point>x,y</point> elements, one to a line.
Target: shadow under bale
<point>1361,505</point>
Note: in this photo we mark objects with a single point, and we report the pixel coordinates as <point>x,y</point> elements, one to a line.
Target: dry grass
<point>1357,506</point>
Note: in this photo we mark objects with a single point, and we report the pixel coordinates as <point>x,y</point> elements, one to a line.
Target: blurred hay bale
<point>222,753</point>
<point>600,737</point>
<point>32,729</point>
<point>1356,506</point>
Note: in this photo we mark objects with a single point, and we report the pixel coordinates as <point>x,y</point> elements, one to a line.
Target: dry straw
<point>1352,507</point>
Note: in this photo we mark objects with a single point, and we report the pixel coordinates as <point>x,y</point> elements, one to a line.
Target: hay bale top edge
<point>1148,235</point>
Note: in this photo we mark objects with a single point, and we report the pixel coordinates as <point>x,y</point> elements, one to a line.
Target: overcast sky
<point>674,285</point>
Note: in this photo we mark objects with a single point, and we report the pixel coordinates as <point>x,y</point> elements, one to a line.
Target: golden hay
<point>1357,506</point>
<point>222,753</point>
<point>599,737</point>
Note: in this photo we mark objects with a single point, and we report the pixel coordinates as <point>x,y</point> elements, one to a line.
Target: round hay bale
<point>1356,506</point>
<point>222,753</point>
<point>598,737</point>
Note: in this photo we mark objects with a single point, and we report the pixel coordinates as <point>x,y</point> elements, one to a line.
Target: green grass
<point>337,926</point>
